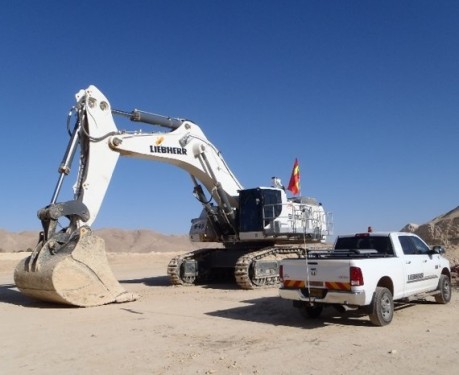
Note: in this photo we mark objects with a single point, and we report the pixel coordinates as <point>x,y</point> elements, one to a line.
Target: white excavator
<point>257,227</point>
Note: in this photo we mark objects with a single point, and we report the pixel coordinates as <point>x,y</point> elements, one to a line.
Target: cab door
<point>420,266</point>
<point>430,263</point>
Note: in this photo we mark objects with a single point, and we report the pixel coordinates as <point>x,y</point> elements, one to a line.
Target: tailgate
<point>323,274</point>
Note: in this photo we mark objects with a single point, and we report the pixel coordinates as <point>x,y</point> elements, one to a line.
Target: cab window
<point>413,245</point>
<point>421,247</point>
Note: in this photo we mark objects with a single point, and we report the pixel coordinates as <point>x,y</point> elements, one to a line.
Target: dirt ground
<point>215,329</point>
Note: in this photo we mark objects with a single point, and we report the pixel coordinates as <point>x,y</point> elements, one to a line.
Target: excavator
<point>255,228</point>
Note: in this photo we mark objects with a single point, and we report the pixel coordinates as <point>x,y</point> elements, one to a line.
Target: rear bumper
<point>357,298</point>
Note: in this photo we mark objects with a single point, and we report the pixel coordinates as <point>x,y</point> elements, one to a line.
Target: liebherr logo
<point>158,149</point>
<point>167,150</point>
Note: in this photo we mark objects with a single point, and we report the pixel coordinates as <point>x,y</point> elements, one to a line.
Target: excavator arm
<point>70,266</point>
<point>101,143</point>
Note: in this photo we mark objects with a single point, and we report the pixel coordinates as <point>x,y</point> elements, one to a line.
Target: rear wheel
<point>444,287</point>
<point>382,307</point>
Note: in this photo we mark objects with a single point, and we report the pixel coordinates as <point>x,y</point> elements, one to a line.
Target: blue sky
<point>364,93</point>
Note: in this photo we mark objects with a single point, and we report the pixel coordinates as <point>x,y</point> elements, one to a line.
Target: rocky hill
<point>145,241</point>
<point>17,241</point>
<point>442,230</point>
<point>116,240</point>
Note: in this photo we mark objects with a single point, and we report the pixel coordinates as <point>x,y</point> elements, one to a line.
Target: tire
<point>311,312</point>
<point>444,287</point>
<point>382,307</point>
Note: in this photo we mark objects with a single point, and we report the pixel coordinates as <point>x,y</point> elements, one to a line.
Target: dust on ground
<point>214,329</point>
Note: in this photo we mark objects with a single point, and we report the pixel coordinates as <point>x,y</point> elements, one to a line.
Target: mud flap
<point>78,274</point>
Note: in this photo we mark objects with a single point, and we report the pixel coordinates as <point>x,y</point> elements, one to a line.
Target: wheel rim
<point>386,307</point>
<point>446,289</point>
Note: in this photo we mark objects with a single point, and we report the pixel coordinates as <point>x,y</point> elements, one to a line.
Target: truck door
<point>430,262</point>
<point>419,266</point>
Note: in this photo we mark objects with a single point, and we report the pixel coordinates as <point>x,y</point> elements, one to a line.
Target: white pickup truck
<point>367,271</point>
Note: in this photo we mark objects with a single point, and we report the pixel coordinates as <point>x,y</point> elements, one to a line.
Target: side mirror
<point>438,249</point>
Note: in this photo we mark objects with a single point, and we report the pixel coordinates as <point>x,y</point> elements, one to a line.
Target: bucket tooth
<point>76,274</point>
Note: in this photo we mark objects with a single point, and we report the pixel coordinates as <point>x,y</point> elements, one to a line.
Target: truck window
<point>381,244</point>
<point>413,245</point>
<point>421,247</point>
<point>407,245</point>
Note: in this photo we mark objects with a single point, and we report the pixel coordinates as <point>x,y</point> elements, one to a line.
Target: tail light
<point>281,272</point>
<point>356,276</point>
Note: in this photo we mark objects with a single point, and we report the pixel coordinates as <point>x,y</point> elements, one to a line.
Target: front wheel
<point>382,307</point>
<point>444,288</point>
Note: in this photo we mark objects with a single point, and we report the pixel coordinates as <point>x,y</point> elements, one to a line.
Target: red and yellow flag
<point>294,184</point>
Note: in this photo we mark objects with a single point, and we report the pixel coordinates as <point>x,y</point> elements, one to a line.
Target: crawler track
<point>252,270</point>
<point>174,268</point>
<point>248,275</point>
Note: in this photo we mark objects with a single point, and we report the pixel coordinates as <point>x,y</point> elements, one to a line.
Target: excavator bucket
<point>77,274</point>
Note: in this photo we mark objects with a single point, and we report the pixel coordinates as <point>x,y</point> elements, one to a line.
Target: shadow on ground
<point>149,281</point>
<point>279,312</point>
<point>10,294</point>
<point>165,281</point>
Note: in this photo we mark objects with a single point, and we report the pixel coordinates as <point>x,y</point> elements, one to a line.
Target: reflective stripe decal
<point>293,284</point>
<point>333,285</point>
<point>337,285</point>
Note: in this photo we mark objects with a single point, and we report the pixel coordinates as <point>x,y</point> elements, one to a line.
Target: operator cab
<point>265,213</point>
<point>258,208</point>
